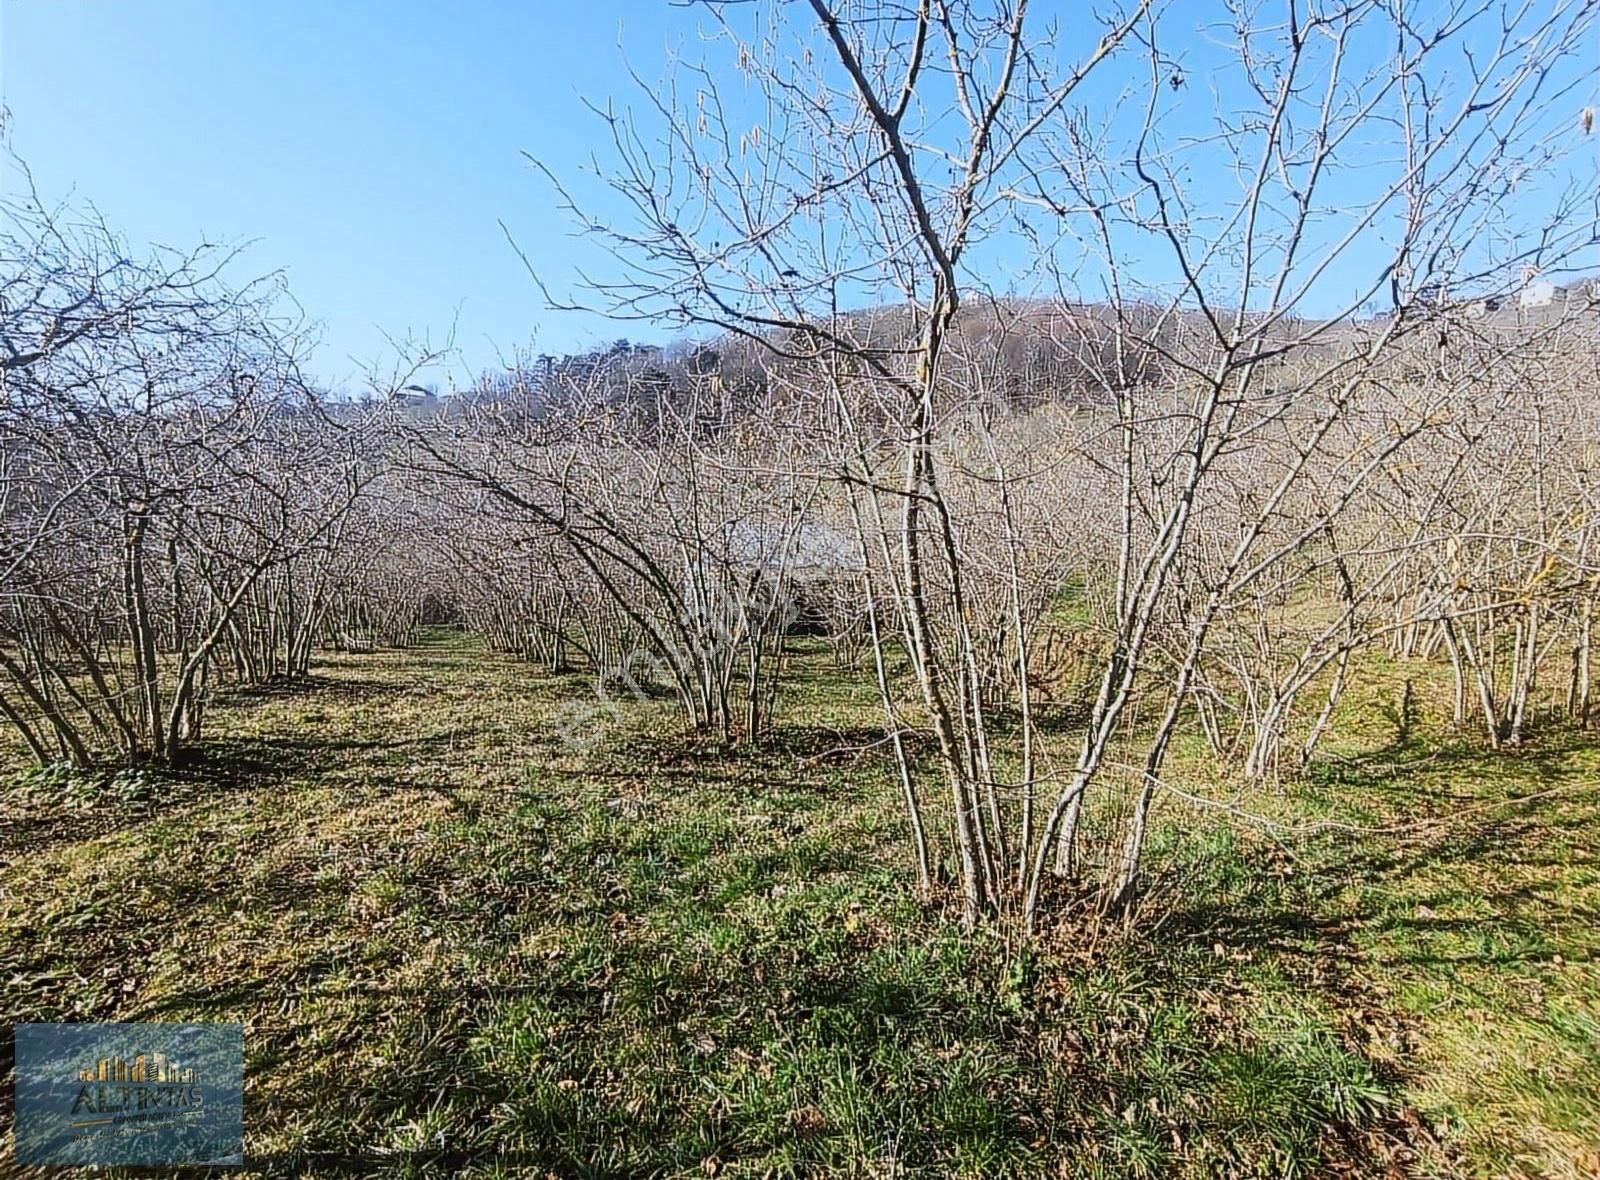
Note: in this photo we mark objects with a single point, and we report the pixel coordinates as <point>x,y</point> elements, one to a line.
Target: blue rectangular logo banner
<point>138,1094</point>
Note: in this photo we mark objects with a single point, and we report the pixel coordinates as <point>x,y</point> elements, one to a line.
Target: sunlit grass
<point>462,947</point>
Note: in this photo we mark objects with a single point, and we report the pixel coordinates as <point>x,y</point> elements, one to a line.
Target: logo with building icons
<point>136,1094</point>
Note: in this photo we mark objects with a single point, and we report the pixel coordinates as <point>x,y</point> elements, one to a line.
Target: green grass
<point>462,947</point>
<point>1481,922</point>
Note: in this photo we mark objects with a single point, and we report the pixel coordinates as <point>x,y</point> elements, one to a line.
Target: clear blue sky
<point>368,149</point>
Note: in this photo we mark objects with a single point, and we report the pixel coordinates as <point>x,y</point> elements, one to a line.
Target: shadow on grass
<point>256,761</point>
<point>340,688</point>
<point>98,803</point>
<point>758,1010</point>
<point>1467,829</point>
<point>1408,766</point>
<point>548,988</point>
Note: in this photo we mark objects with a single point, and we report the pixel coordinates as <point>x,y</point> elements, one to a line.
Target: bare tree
<point>1225,398</point>
<point>163,464</point>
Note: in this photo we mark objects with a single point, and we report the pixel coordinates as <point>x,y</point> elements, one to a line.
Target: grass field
<point>462,946</point>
